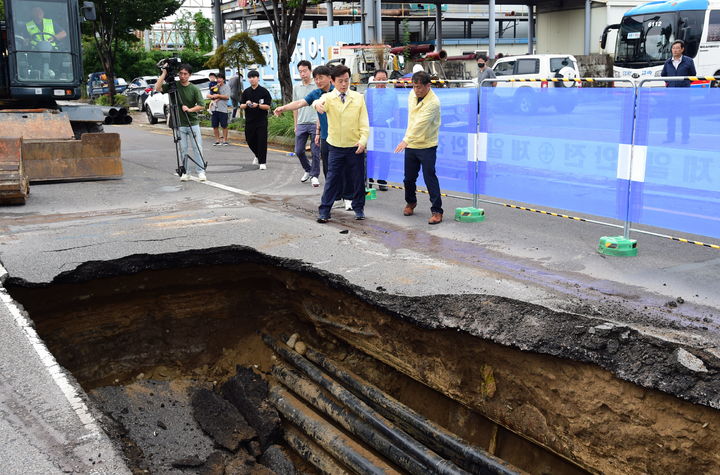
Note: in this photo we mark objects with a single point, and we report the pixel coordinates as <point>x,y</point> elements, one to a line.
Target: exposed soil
<point>183,426</point>
<point>498,372</point>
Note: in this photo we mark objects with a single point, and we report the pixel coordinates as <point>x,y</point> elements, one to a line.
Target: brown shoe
<point>409,207</point>
<point>436,218</point>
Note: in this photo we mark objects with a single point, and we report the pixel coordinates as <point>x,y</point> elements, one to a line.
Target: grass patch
<point>104,100</point>
<point>282,126</point>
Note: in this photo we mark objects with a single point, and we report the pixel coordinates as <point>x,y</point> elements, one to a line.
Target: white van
<point>539,67</point>
<point>157,105</point>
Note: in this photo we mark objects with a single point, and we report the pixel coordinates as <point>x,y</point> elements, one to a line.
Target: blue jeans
<point>415,158</point>
<point>302,133</point>
<point>344,165</point>
<point>187,143</point>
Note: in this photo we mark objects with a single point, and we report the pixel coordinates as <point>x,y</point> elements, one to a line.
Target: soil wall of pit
<point>201,311</point>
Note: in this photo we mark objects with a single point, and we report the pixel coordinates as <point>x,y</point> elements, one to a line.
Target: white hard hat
<point>417,67</point>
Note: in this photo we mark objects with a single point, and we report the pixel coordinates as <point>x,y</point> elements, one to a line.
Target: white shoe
<point>255,161</point>
<point>184,177</point>
<point>315,182</point>
<point>348,205</point>
<point>263,166</point>
<point>305,177</point>
<point>202,177</point>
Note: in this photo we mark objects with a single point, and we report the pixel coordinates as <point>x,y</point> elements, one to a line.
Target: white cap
<point>416,68</point>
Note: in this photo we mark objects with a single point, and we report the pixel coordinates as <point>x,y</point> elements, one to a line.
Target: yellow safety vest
<point>35,33</point>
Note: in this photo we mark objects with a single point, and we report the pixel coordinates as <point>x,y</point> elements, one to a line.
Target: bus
<point>646,33</point>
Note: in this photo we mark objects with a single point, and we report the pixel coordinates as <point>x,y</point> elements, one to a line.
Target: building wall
<point>563,31</point>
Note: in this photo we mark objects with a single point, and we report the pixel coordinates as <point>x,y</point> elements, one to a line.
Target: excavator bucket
<point>14,186</point>
<point>94,156</point>
<point>50,153</point>
<point>41,124</point>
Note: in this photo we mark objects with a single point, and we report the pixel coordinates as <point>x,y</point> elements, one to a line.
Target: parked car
<point>139,90</point>
<point>529,96</point>
<point>97,85</point>
<point>157,106</point>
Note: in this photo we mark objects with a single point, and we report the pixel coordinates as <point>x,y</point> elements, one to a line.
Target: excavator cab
<point>41,64</point>
<point>42,48</point>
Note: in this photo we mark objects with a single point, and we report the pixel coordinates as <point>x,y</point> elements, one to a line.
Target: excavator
<point>43,135</point>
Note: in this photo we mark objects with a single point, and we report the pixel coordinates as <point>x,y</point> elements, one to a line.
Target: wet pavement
<point>532,258</point>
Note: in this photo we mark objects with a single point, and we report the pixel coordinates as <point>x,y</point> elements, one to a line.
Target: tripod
<point>174,123</point>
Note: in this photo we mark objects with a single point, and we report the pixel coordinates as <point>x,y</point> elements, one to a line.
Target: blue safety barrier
<point>557,147</point>
<point>388,111</point>
<point>677,154</point>
<point>599,151</point>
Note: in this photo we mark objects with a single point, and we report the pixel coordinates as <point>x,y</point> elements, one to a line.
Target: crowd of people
<point>335,120</point>
<point>332,117</point>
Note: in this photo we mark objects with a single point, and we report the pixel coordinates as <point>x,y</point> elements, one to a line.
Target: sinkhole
<point>173,349</point>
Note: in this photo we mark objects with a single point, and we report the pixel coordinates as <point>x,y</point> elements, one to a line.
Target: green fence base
<point>469,215</point>
<point>370,194</point>
<point>617,246</point>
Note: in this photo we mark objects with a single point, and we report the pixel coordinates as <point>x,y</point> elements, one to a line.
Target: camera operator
<point>191,102</point>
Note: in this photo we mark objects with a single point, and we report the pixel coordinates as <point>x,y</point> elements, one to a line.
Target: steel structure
<point>371,14</point>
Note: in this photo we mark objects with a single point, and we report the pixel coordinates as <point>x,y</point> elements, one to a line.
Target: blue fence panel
<point>678,138</point>
<point>560,147</point>
<point>388,110</point>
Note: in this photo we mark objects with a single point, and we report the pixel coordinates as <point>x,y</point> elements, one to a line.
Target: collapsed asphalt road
<point>543,270</point>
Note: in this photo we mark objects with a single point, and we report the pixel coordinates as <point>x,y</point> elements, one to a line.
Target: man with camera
<point>190,102</point>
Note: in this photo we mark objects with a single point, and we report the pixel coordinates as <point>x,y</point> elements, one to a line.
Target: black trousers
<point>256,137</point>
<point>415,159</point>
<point>345,187</point>
<point>345,177</point>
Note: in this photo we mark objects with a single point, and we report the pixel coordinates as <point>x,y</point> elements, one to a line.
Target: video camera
<point>172,66</point>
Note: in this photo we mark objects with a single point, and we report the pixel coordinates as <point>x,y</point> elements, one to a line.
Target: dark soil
<point>183,426</point>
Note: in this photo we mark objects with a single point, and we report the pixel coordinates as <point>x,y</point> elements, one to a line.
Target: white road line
<point>231,189</point>
<point>224,187</point>
<point>70,391</point>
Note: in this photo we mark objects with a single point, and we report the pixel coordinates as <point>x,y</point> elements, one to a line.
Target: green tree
<point>184,28</point>
<point>203,32</point>
<point>117,19</point>
<point>237,52</point>
<point>285,18</point>
<point>196,31</point>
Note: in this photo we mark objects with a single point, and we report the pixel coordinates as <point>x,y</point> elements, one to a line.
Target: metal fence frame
<point>634,83</point>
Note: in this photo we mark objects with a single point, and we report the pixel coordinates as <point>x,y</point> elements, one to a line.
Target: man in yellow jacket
<point>348,132</point>
<point>420,145</point>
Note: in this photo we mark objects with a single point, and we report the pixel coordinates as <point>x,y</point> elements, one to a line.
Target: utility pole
<point>219,25</point>
<point>491,30</point>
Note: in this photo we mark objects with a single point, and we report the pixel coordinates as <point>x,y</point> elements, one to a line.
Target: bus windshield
<point>645,40</point>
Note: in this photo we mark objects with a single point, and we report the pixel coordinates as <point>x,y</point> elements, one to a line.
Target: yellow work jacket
<point>423,121</point>
<point>348,123</point>
<point>35,33</point>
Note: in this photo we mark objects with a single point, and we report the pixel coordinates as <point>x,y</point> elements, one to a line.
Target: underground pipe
<point>312,452</point>
<point>313,395</point>
<point>433,462</point>
<point>438,438</point>
<point>335,442</point>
